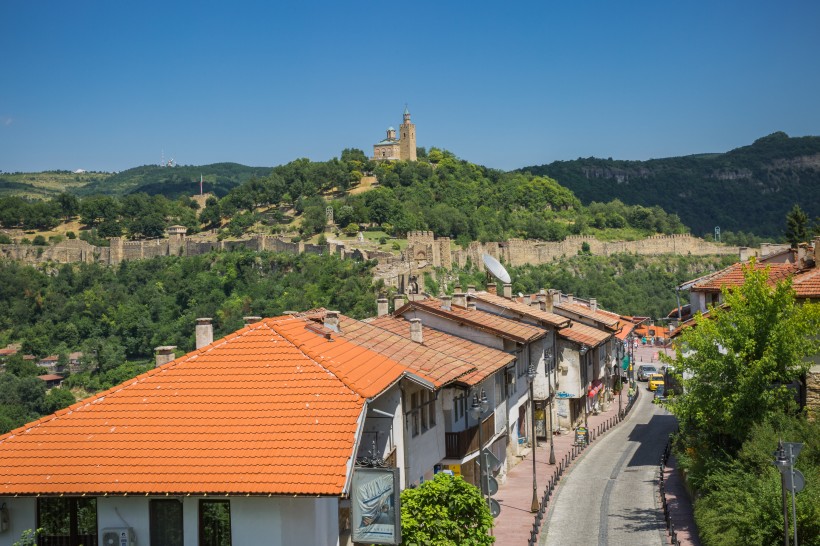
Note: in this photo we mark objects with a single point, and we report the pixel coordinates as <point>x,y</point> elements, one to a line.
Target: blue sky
<point>109,85</point>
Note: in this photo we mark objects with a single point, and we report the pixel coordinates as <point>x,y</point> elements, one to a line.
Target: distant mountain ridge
<point>173,182</point>
<point>748,189</point>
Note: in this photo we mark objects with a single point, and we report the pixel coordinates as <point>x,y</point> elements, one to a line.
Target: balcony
<point>459,444</point>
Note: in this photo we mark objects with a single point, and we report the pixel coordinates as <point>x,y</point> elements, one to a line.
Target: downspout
<point>677,295</point>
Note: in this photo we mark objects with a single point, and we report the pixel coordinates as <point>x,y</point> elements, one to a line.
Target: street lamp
<point>548,359</point>
<point>531,378</point>
<point>782,464</point>
<point>480,405</point>
<point>583,352</point>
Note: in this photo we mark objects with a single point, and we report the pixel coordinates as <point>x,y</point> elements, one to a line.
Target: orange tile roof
<point>500,326</point>
<point>807,283</point>
<point>732,276</point>
<point>271,409</point>
<point>610,320</point>
<point>521,308</point>
<point>486,360</point>
<point>581,333</point>
<point>431,364</point>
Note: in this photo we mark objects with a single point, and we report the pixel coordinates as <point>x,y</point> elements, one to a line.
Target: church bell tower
<point>407,138</point>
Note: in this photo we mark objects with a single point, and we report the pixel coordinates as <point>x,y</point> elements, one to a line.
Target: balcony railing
<point>459,444</point>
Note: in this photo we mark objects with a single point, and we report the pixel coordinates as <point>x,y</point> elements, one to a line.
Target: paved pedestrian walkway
<point>514,526</point>
<point>515,523</point>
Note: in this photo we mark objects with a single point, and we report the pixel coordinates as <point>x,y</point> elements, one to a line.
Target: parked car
<point>645,370</point>
<point>655,380</point>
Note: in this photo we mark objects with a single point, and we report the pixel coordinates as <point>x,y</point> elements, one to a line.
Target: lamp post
<point>549,359</point>
<point>531,378</point>
<point>782,464</point>
<point>583,352</point>
<point>480,405</point>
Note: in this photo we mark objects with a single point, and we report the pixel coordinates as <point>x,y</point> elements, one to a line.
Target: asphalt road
<point>610,496</point>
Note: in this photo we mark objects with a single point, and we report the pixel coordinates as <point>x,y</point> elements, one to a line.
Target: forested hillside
<point>174,182</point>
<point>749,189</point>
<point>117,316</point>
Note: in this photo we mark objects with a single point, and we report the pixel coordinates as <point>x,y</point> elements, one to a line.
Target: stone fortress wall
<point>424,251</point>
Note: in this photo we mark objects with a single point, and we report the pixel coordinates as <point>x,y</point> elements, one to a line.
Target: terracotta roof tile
<point>503,327</point>
<point>271,409</point>
<point>486,360</point>
<point>521,308</point>
<point>732,276</point>
<point>807,283</point>
<point>581,333</point>
<point>610,320</point>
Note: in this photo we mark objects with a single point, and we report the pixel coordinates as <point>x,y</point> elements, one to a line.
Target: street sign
<point>495,508</point>
<point>493,486</point>
<point>491,459</point>
<point>792,449</point>
<point>797,477</point>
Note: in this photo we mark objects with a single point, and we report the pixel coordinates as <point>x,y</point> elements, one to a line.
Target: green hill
<point>46,184</point>
<point>749,189</point>
<point>172,182</point>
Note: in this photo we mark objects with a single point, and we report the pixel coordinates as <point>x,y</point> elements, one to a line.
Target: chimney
<point>508,290</point>
<point>526,299</point>
<point>816,243</point>
<point>251,320</point>
<point>398,301</point>
<point>471,289</point>
<point>381,306</point>
<point>164,354</point>
<point>332,320</point>
<point>415,330</point>
<point>204,332</point>
<point>445,303</point>
<point>556,298</point>
<point>460,299</point>
<point>593,304</point>
<point>491,288</point>
<point>570,299</point>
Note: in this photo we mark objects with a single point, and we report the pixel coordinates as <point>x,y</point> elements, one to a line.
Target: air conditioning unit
<point>119,536</point>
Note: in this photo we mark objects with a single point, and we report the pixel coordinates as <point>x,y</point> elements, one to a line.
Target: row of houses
<point>303,428</point>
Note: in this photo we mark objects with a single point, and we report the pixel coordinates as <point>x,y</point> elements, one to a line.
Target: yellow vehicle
<point>654,380</point>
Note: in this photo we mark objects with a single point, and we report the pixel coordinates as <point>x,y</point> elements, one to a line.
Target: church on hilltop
<point>402,148</point>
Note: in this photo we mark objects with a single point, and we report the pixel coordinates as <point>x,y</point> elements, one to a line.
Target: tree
<point>741,359</point>
<point>797,226</point>
<point>446,511</point>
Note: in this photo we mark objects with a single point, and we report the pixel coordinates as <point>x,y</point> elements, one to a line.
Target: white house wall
<point>425,450</point>
<point>428,320</point>
<point>22,516</point>
<point>274,521</point>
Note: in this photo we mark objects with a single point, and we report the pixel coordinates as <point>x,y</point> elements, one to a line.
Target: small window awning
<point>625,362</point>
<point>595,387</point>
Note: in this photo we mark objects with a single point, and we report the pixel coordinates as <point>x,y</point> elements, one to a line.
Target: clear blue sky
<point>109,85</point>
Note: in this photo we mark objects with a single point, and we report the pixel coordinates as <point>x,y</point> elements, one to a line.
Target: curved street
<point>610,495</point>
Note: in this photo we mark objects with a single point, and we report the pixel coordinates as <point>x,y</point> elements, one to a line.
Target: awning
<point>625,363</point>
<point>595,387</point>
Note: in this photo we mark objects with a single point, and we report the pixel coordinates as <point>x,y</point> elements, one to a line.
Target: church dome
<point>390,129</point>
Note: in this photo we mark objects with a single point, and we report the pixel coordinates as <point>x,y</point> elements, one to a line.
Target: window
<point>166,522</point>
<point>422,411</point>
<point>414,411</point>
<point>425,411</point>
<point>460,406</point>
<point>214,523</point>
<point>67,521</point>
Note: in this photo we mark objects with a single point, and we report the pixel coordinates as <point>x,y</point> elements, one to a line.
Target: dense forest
<point>747,190</point>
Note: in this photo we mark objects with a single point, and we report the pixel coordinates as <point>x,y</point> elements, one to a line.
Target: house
<point>254,436</point>
<point>74,361</point>
<point>51,380</point>
<point>50,363</point>
<point>510,394</point>
<point>462,435</point>
<point>802,267</point>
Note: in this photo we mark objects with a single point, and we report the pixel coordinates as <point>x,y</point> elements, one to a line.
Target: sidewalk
<point>515,523</point>
<point>514,526</point>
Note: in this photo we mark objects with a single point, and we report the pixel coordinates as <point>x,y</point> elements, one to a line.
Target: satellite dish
<point>496,269</point>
